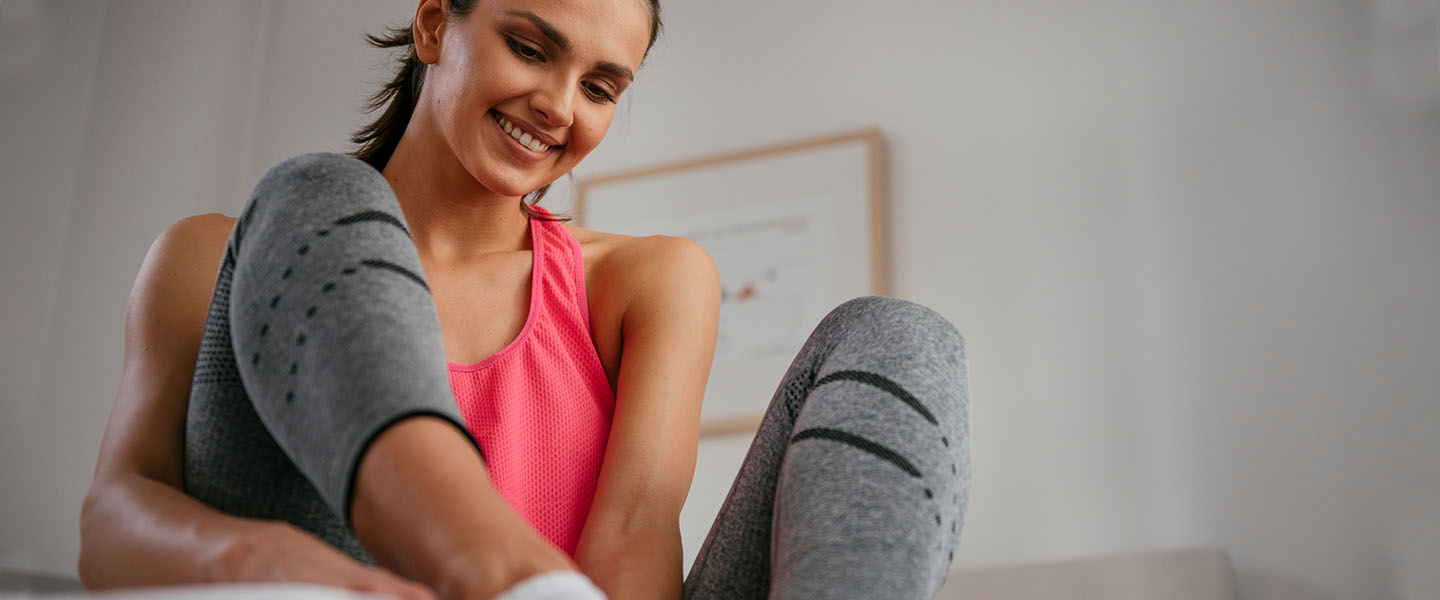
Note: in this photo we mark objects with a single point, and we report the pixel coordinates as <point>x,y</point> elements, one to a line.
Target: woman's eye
<point>599,93</point>
<point>524,51</point>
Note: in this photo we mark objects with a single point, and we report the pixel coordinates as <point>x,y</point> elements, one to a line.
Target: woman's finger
<point>384,582</point>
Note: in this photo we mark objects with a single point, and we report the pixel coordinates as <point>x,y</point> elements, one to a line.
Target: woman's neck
<point>452,217</point>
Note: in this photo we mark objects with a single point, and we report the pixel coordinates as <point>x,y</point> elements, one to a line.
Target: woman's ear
<point>428,27</point>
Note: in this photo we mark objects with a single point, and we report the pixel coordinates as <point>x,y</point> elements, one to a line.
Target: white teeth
<point>525,139</point>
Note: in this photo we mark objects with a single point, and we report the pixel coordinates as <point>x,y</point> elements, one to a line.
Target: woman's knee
<point>316,189</point>
<point>318,168</point>
<point>319,178</point>
<point>882,320</point>
<point>909,343</point>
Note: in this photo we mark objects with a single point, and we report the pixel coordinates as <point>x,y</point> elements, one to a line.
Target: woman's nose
<point>555,104</point>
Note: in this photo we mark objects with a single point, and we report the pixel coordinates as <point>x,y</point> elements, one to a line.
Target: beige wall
<point>1191,244</point>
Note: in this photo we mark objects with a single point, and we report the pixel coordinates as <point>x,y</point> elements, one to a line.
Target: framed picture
<point>794,229</point>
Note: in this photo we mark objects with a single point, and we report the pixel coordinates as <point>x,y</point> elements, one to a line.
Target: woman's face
<point>522,90</point>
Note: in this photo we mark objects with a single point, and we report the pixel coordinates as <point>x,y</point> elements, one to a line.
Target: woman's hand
<point>280,552</point>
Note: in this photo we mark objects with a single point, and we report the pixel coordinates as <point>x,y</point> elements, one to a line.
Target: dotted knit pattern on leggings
<point>541,407</point>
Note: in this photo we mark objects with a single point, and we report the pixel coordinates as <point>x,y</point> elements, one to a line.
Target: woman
<point>317,431</point>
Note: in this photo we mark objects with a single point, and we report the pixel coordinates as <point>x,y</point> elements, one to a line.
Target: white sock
<point>554,585</point>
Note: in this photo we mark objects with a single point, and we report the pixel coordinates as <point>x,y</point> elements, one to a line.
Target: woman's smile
<point>533,140</point>
<point>528,145</point>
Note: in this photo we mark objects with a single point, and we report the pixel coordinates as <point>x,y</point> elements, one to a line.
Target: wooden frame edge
<point>878,219</point>
<point>871,134</point>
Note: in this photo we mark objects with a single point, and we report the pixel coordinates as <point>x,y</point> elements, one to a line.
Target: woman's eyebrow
<point>563,43</point>
<point>617,70</point>
<point>544,26</point>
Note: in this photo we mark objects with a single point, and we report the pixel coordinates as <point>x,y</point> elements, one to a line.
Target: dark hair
<point>377,141</point>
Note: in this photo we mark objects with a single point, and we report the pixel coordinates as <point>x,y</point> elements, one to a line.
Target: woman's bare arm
<point>631,543</point>
<point>137,527</point>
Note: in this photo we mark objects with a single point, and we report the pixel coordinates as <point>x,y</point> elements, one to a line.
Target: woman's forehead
<point>619,29</point>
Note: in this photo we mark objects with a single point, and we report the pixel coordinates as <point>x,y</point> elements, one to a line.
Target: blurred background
<point>1194,246</point>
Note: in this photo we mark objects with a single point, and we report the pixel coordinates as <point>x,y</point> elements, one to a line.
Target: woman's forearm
<point>424,506</point>
<point>136,531</point>
<point>644,566</point>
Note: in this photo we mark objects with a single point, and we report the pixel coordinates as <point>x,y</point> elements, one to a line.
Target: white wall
<point>119,119</point>
<point>1191,244</point>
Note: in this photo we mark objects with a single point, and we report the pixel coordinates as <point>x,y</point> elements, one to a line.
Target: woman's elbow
<point>91,528</point>
<point>98,527</point>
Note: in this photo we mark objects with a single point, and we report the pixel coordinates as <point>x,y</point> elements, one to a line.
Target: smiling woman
<point>531,39</point>
<point>393,373</point>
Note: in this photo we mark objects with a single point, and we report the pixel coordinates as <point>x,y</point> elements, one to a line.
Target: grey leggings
<point>321,333</point>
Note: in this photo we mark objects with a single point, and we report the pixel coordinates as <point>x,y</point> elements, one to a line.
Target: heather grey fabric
<point>856,483</point>
<point>321,333</point>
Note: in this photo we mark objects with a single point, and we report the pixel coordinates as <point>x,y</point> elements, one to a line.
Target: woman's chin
<point>511,187</point>
<point>513,180</point>
<point>515,191</point>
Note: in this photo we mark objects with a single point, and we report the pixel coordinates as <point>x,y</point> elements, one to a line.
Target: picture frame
<point>795,229</point>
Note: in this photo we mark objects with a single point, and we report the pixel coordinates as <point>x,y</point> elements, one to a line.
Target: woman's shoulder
<point>202,229</point>
<point>638,279</point>
<point>643,259</point>
<point>195,241</point>
<point>184,260</point>
<point>655,286</point>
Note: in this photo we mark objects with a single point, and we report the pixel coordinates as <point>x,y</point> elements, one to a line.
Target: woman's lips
<point>530,142</point>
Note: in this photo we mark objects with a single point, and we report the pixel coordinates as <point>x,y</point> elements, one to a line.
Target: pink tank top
<point>540,408</point>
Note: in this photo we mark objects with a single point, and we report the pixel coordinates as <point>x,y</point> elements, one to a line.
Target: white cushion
<point>1190,574</point>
